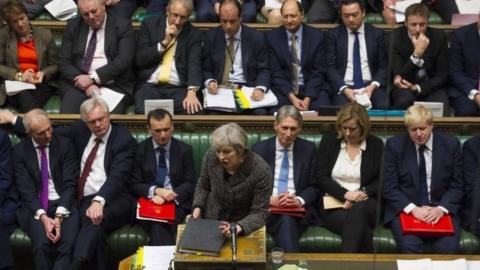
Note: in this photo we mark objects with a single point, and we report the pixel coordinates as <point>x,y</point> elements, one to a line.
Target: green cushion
<point>434,18</point>
<point>260,18</point>
<point>46,16</point>
<point>374,18</point>
<point>125,241</point>
<point>53,105</point>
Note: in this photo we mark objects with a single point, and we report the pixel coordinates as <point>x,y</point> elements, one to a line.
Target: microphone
<point>233,232</point>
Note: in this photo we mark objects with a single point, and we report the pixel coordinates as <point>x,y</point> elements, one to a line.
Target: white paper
<point>473,265</point>
<point>400,7</point>
<point>468,6</point>
<point>269,99</point>
<point>223,100</point>
<point>361,97</point>
<point>13,87</point>
<point>111,97</point>
<point>152,104</point>
<point>62,9</point>
<point>275,4</point>
<point>157,257</point>
<point>420,264</point>
<point>459,264</point>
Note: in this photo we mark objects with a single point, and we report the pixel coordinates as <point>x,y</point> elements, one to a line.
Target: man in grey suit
<point>96,52</point>
<point>169,59</point>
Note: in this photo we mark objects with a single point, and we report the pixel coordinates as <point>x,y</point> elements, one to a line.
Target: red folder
<point>411,225</point>
<point>294,212</point>
<point>148,210</point>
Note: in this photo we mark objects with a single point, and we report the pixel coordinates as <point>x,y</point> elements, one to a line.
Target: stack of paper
<point>221,101</point>
<point>362,98</point>
<point>62,9</point>
<point>14,87</point>
<point>112,98</point>
<point>245,101</point>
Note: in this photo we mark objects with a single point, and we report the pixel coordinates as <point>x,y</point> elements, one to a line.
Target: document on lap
<point>14,87</point>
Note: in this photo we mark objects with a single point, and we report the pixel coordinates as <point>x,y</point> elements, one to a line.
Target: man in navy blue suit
<point>46,172</point>
<point>175,184</point>
<point>297,61</point>
<point>470,210</point>
<point>292,161</point>
<point>423,178</point>
<point>464,65</point>
<point>356,58</point>
<point>8,201</point>
<point>235,54</point>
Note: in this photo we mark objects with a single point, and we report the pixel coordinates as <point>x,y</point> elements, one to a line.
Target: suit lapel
<point>222,45</point>
<point>270,157</point>
<point>52,158</point>
<point>437,153</point>
<point>283,37</point>
<point>151,161</point>
<point>245,48</point>
<point>412,163</point>
<point>297,162</point>
<point>38,48</point>
<point>343,46</point>
<point>174,161</point>
<point>370,44</point>
<point>83,36</point>
<point>304,46</point>
<point>109,35</point>
<point>12,48</point>
<point>32,158</point>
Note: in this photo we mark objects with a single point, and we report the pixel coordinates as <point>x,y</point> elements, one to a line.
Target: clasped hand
<point>428,214</point>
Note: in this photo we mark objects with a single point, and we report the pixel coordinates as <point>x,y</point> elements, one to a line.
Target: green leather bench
<point>316,239</point>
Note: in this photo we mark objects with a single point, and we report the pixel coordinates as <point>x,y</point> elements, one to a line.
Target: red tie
<point>87,168</point>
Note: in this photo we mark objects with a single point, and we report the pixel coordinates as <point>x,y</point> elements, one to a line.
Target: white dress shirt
<point>346,171</point>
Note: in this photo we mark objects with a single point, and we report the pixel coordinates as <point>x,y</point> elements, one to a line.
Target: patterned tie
<point>44,176</point>
<point>357,65</point>
<point>167,61</point>
<point>87,168</point>
<point>88,57</point>
<point>229,58</point>
<point>283,175</point>
<point>295,64</point>
<point>422,173</point>
<point>161,167</point>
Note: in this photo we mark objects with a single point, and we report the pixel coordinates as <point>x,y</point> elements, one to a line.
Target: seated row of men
<point>301,65</point>
<point>319,11</point>
<point>80,182</point>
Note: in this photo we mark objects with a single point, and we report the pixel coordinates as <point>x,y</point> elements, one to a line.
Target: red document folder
<point>411,225</point>
<point>294,212</point>
<point>148,210</point>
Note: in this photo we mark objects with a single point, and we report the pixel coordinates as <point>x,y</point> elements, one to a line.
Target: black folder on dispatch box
<point>202,237</point>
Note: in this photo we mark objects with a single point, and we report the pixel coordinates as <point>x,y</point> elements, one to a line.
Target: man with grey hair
<point>97,51</point>
<point>46,171</point>
<point>169,59</point>
<point>292,161</point>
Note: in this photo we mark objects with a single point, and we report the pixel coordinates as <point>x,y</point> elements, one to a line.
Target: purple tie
<point>44,174</point>
<point>88,57</point>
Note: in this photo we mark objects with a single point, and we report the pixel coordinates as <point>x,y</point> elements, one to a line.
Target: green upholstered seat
<point>374,18</point>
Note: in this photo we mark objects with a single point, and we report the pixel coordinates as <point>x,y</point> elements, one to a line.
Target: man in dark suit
<point>326,11</point>
<point>97,51</point>
<point>169,61</point>
<point>464,63</point>
<point>8,201</point>
<point>235,54</point>
<point>356,58</point>
<point>423,178</point>
<point>297,61</point>
<point>419,60</point>
<point>292,161</point>
<point>164,172</point>
<point>470,210</point>
<point>46,172</point>
<point>208,10</point>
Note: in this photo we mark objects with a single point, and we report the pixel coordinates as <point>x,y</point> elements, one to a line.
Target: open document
<point>14,87</point>
<point>221,101</point>
<point>62,9</point>
<point>245,101</point>
<point>361,97</point>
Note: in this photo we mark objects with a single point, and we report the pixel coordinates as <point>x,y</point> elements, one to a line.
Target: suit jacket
<point>312,61</point>
<point>181,171</point>
<point>401,177</point>
<point>187,55</point>
<point>119,47</point>
<point>64,171</point>
<point>7,188</point>
<point>328,152</point>
<point>254,56</point>
<point>337,55</point>
<point>435,57</point>
<point>464,61</point>
<point>44,47</point>
<point>470,210</point>
<point>243,197</point>
<point>303,168</point>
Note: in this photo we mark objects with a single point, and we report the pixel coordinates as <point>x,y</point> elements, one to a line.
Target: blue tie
<point>422,173</point>
<point>357,65</point>
<point>161,167</point>
<point>283,176</point>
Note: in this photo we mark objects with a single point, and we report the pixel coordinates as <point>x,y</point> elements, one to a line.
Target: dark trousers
<point>379,99</point>
<point>445,8</point>
<point>206,11</point>
<point>8,223</point>
<point>355,225</point>
<point>286,231</point>
<point>91,244</point>
<point>73,98</point>
<point>403,98</point>
<point>31,99</point>
<point>461,104</point>
<point>161,233</point>
<point>153,91</point>
<point>43,249</point>
<point>322,11</point>
<point>414,244</point>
